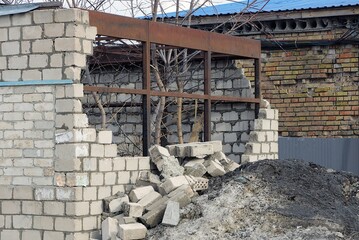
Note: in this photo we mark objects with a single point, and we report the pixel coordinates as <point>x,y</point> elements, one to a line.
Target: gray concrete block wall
<point>54,168</point>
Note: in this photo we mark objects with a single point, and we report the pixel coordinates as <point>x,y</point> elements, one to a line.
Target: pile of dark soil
<point>272,199</point>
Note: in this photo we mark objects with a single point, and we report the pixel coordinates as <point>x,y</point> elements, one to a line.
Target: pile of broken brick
<point>183,172</point>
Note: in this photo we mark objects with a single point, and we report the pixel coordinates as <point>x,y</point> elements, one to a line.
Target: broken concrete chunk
<point>115,205</point>
<point>231,166</point>
<point>214,168</point>
<point>162,201</point>
<point>184,188</point>
<point>199,149</point>
<point>157,152</point>
<point>132,231</point>
<point>146,178</point>
<point>221,157</point>
<point>109,228</point>
<point>132,209</point>
<point>217,146</point>
<point>138,193</point>
<point>170,167</point>
<point>171,216</point>
<point>149,199</point>
<point>182,197</point>
<point>154,217</point>
<point>173,183</point>
<point>195,168</point>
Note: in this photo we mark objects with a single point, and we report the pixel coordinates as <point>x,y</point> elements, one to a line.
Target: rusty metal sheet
<point>119,26</point>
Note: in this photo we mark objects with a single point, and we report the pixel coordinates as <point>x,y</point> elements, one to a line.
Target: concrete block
<point>68,15</point>
<point>154,216</point>
<point>230,167</point>
<point>138,193</point>
<point>262,124</point>
<point>132,209</point>
<point>169,167</point>
<point>198,149</point>
<point>146,178</point>
<point>31,32</point>
<point>157,152</point>
<point>214,168</point>
<point>70,121</point>
<point>195,168</point>
<point>68,106</point>
<point>109,228</point>
<point>174,182</point>
<point>10,48</point>
<point>97,150</point>
<point>253,148</point>
<point>74,91</point>
<point>149,199</point>
<point>171,216</point>
<point>217,146</point>
<point>110,150</point>
<point>132,231</point>
<point>256,136</point>
<point>182,197</point>
<point>67,44</point>
<point>185,188</point>
<point>66,155</point>
<point>104,137</point>
<point>43,16</point>
<point>116,205</point>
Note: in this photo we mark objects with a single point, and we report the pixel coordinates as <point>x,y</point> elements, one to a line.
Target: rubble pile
<point>184,170</point>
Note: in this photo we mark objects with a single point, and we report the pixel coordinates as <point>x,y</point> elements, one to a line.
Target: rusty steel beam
<point>146,98</point>
<point>162,33</point>
<point>207,102</point>
<point>170,94</point>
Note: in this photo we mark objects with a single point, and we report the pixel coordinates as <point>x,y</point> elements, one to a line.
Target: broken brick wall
<point>231,122</point>
<point>315,88</point>
<point>54,168</point>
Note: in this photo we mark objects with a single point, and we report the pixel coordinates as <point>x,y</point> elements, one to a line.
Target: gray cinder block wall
<point>54,169</point>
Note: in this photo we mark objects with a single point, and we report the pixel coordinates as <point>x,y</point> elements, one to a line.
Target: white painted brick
<point>119,163</point>
<point>67,44</point>
<point>14,33</point>
<point>5,21</point>
<point>104,137</point>
<point>68,15</point>
<point>254,148</point>
<point>44,194</point>
<point>31,32</point>
<point>18,62</point>
<point>54,30</point>
<point>68,106</point>
<point>262,124</point>
<point>123,177</point>
<point>3,34</point>
<point>97,150</point>
<point>91,32</point>
<point>21,19</point>
<point>10,48</point>
<point>31,75</point>
<point>56,60</point>
<point>266,113</point>
<point>109,229</point>
<point>132,231</point>
<point>38,61</point>
<point>74,91</point>
<point>70,121</point>
<point>75,30</point>
<point>25,47</point>
<point>274,147</point>
<point>73,73</point>
<point>3,63</point>
<point>42,46</point>
<point>43,16</point>
<point>87,47</point>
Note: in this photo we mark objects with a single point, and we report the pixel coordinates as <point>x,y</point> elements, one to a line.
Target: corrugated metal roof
<point>271,6</point>
<point>23,8</point>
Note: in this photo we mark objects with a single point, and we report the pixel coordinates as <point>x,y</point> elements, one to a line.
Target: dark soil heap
<point>272,199</point>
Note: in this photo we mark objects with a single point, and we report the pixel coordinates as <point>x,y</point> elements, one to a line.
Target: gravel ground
<point>272,199</point>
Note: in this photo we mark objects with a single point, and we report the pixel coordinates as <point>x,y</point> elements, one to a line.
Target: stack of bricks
<point>54,169</point>
<point>263,139</point>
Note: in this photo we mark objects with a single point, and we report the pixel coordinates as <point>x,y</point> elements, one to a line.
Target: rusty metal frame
<point>160,33</point>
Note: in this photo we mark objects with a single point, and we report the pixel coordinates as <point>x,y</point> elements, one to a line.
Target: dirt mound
<point>272,199</point>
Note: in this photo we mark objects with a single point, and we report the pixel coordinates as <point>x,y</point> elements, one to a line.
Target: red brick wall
<point>315,89</point>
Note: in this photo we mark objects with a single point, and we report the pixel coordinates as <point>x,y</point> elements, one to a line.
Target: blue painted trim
<point>36,83</point>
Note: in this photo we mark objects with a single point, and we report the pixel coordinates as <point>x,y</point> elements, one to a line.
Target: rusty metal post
<point>207,92</point>
<point>257,84</point>
<point>146,98</point>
